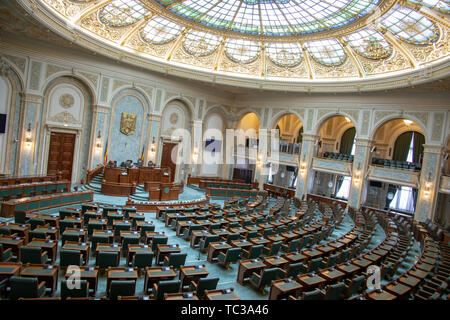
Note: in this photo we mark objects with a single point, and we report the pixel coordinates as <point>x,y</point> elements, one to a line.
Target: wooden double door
<point>60,155</point>
<point>166,158</point>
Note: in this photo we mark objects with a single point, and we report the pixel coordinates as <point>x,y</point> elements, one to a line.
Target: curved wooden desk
<point>118,189</point>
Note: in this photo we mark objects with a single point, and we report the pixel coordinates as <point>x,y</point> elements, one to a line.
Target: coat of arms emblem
<point>128,123</point>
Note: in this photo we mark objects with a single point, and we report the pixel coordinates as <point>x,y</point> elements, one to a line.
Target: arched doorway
<point>247,142</point>
<point>337,142</point>
<point>397,145</point>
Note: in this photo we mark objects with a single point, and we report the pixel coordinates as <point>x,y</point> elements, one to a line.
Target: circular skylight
<point>271,17</point>
<point>269,41</point>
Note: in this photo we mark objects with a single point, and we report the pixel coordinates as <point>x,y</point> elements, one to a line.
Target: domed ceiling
<point>275,44</point>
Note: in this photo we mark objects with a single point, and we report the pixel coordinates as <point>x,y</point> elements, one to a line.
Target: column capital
<point>30,97</point>
<point>310,137</point>
<point>364,142</point>
<point>100,109</point>
<point>154,117</point>
<point>428,148</point>
<point>197,123</point>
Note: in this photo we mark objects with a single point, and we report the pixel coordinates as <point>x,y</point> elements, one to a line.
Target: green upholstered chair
<point>344,256</point>
<point>313,295</point>
<point>142,260</point>
<point>107,259</point>
<point>93,226</point>
<point>254,252</point>
<point>175,260</point>
<point>307,241</point>
<point>121,227</point>
<point>354,286</point>
<point>281,229</point>
<point>204,243</point>
<point>214,226</point>
<point>293,270</point>
<point>231,256</point>
<point>331,261</point>
<point>387,270</point>
<point>247,222</point>
<point>35,234</point>
<point>70,257</point>
<point>335,291</point>
<point>4,284</point>
<point>274,249</point>
<point>99,238</point>
<point>232,237</point>
<point>173,223</point>
<point>69,288</point>
<point>147,228</point>
<point>268,232</point>
<point>355,252</point>
<point>188,232</point>
<point>291,246</point>
<point>26,287</point>
<point>159,240</point>
<point>291,226</point>
<point>169,286</point>
<point>34,255</point>
<point>5,254</point>
<point>265,278</point>
<point>88,216</point>
<point>34,222</point>
<point>20,216</point>
<point>315,264</point>
<point>252,234</point>
<point>129,240</point>
<point>233,224</point>
<point>123,288</point>
<point>127,211</point>
<point>65,224</point>
<point>204,284</point>
<point>63,214</point>
<point>5,231</point>
<point>69,237</point>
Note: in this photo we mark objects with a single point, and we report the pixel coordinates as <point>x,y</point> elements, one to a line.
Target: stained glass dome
<point>267,41</point>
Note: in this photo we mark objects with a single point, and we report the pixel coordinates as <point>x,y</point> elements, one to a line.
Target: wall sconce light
<point>28,140</point>
<point>427,188</point>
<point>195,154</point>
<point>153,147</point>
<point>302,170</point>
<point>259,161</point>
<point>407,122</point>
<point>98,143</point>
<point>357,177</point>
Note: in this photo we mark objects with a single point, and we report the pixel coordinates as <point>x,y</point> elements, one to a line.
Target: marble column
<point>99,118</point>
<point>429,183</point>
<point>30,120</point>
<point>196,160</point>
<point>360,167</point>
<point>262,157</point>
<point>306,174</point>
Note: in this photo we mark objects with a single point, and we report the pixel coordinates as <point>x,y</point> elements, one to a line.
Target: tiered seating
<point>104,232</point>
<point>338,156</point>
<point>397,164</point>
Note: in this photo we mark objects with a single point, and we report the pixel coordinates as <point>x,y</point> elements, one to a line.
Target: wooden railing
<point>196,180</point>
<point>91,174</point>
<point>12,180</point>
